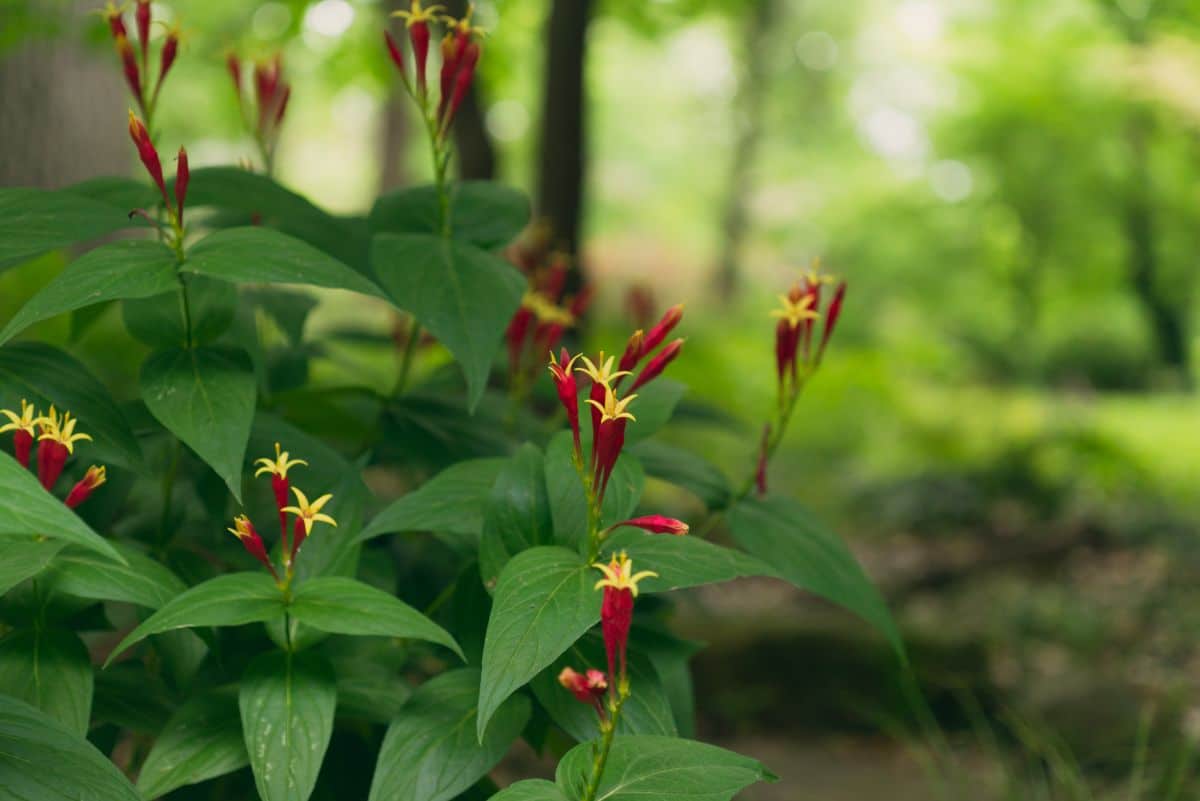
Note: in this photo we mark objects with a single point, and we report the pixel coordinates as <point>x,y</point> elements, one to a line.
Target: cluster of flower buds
<point>149,156</point>
<point>263,114</point>
<point>460,53</point>
<point>306,514</point>
<point>545,314</point>
<point>589,687</point>
<point>56,438</point>
<point>799,311</point>
<point>135,63</point>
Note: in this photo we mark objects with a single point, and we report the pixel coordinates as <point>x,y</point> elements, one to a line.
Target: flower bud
<point>664,326</point>
<point>148,155</point>
<point>94,477</point>
<point>182,176</point>
<point>130,68</point>
<point>418,34</point>
<point>655,366</point>
<point>169,51</point>
<point>462,83</point>
<point>633,352</point>
<point>831,317</point>
<point>589,687</point>
<point>244,530</point>
<point>620,585</point>
<point>562,371</point>
<point>656,524</point>
<point>396,54</point>
<point>141,16</point>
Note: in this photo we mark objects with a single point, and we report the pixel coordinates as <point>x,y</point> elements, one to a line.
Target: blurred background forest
<point>1005,426</point>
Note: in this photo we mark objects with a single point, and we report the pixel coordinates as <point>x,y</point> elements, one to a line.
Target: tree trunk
<point>560,187</point>
<point>735,220</point>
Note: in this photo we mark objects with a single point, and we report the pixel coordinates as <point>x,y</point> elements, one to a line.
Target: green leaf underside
<point>463,295</point>
<point>452,502</point>
<point>287,702</point>
<point>141,580</point>
<point>45,375</point>
<point>26,508</point>
<point>341,605</point>
<point>234,599</point>
<point>649,768</point>
<point>201,741</point>
<point>206,397</point>
<point>431,753</point>
<point>50,669</point>
<point>568,504</point>
<point>33,221</point>
<point>41,759</point>
<point>266,256</point>
<point>483,213</point>
<point>135,268</point>
<point>518,513</point>
<point>801,550</point>
<point>24,556</point>
<point>545,600</point>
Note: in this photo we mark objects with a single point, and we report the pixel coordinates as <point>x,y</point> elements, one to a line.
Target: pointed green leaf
<point>24,556</point>
<point>343,605</point>
<point>430,752</point>
<point>649,768</point>
<point>517,515</point>
<point>133,268</point>
<point>265,256</point>
<point>201,741</point>
<point>206,397</point>
<point>782,533</point>
<point>545,600</point>
<point>50,669</point>
<point>452,501</point>
<point>484,213</point>
<point>287,701</point>
<point>568,504</point>
<point>45,375</point>
<point>234,599</point>
<point>33,221</point>
<point>685,469</point>
<point>653,407</point>
<point>161,322</point>
<point>682,561</point>
<point>530,790</point>
<point>42,759</point>
<point>463,295</point>
<point>141,580</point>
<point>26,508</point>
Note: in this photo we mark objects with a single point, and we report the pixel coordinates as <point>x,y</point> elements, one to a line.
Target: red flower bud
<point>452,52</point>
<point>169,51</point>
<point>831,317</point>
<point>562,371</point>
<point>657,524</point>
<point>588,687</point>
<point>418,33</point>
<point>115,22</point>
<point>248,536</point>
<point>659,332</point>
<point>616,608</point>
<point>148,155</point>
<point>633,352</point>
<point>655,366</point>
<point>396,53</point>
<point>130,67</point>
<point>462,83</point>
<point>182,176</point>
<point>94,477</point>
<point>142,17</point>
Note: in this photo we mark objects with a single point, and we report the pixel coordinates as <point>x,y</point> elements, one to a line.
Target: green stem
<point>606,741</point>
<point>168,487</point>
<point>410,349</point>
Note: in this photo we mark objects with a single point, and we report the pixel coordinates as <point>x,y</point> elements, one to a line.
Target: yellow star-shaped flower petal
<point>619,575</point>
<point>417,14</point>
<point>613,409</point>
<point>25,421</point>
<point>309,513</point>
<point>603,374</point>
<point>278,466</point>
<point>60,429</point>
<point>795,311</point>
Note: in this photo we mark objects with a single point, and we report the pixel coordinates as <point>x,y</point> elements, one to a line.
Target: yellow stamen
<point>278,466</point>
<point>619,575</point>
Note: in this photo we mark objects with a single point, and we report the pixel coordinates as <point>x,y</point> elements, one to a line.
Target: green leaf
<point>464,296</point>
<point>160,321</point>
<point>801,550</point>
<point>483,213</point>
<point>287,701</point>
<point>42,759</point>
<point>685,469</point>
<point>202,740</point>
<point>141,580</point>
<point>288,308</point>
<point>518,513</point>
<point>649,768</point>
<point>266,256</point>
<point>23,557</point>
<point>530,790</point>
<point>683,561</point>
<point>134,268</point>
<point>124,193</point>
<point>45,375</point>
<point>671,657</point>
<point>50,669</point>
<point>544,602</point>
<point>647,711</point>
<point>653,407</point>
<point>206,397</point>
<point>26,508</point>
<point>341,605</point>
<point>568,504</point>
<point>430,752</point>
<point>452,501</point>
<point>370,681</point>
<point>234,599</point>
<point>33,221</point>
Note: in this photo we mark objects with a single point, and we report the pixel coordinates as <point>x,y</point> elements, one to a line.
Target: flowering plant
<point>350,655</point>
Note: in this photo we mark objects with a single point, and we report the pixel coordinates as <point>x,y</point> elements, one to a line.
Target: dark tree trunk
<point>476,155</point>
<point>735,220</point>
<point>560,187</point>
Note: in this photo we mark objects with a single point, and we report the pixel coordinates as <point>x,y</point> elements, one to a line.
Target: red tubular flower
<point>306,515</point>
<point>23,426</point>
<point>129,66</point>
<point>602,374</point>
<point>148,155</point>
<point>562,371</point>
<point>796,308</point>
<point>94,477</point>
<point>664,326</point>
<point>244,530</point>
<point>141,16</point>
<point>620,585</point>
<point>462,83</point>
<point>453,46</point>
<point>266,84</point>
<point>182,176</point>
<point>55,443</point>
<point>169,51</point>
<point>396,54</point>
<point>588,687</point>
<point>831,317</point>
<point>278,468</point>
<point>610,436</point>
<point>657,524</point>
<point>115,23</point>
<point>633,352</point>
<point>655,366</point>
<point>760,472</point>
<point>418,34</point>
